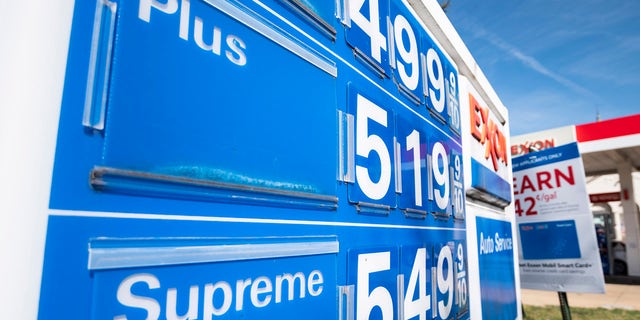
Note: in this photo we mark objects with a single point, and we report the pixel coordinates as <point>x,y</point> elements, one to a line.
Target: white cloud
<point>535,110</point>
<point>530,62</point>
<point>614,61</point>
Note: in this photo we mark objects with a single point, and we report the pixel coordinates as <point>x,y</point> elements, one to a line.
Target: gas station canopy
<point>609,147</point>
<point>606,144</point>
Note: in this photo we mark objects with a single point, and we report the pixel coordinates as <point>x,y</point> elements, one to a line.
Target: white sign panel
<point>484,137</point>
<point>557,238</point>
<point>538,141</point>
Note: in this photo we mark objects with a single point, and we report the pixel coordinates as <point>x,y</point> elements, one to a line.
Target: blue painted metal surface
<point>495,250</point>
<point>196,130</point>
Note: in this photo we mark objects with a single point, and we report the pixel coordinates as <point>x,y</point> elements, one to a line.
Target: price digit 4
<point>417,281</point>
<point>370,26</point>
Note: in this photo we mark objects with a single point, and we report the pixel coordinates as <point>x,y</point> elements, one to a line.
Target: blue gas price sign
<point>256,159</point>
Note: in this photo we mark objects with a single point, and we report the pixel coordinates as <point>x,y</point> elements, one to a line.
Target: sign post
<point>564,305</point>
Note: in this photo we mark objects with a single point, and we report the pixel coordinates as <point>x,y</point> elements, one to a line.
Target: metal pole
<point>564,306</point>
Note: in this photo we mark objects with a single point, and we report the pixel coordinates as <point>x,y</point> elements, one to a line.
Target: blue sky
<point>555,63</point>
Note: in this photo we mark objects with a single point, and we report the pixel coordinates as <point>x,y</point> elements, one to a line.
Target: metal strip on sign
<point>312,17</point>
<point>397,164</point>
<point>266,28</point>
<point>401,296</point>
<point>141,253</point>
<point>346,305</point>
<point>345,17</point>
<point>349,175</point>
<point>153,184</point>
<point>95,103</point>
<point>342,157</point>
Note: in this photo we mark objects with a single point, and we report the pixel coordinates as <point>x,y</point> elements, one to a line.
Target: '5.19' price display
<point>406,158</point>
<point>402,161</point>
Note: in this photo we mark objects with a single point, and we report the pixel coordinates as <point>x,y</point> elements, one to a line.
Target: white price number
<point>440,171</point>
<point>370,26</point>
<point>413,144</point>
<point>366,144</point>
<point>452,102</point>
<point>445,179</point>
<point>461,275</point>
<point>417,281</point>
<point>445,282</point>
<point>405,52</point>
<point>408,62</point>
<point>378,297</point>
<point>458,190</point>
<point>416,301</point>
<point>444,184</point>
<point>435,74</point>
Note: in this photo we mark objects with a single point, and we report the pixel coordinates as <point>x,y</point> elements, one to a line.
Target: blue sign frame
<point>199,160</point>
<point>495,251</point>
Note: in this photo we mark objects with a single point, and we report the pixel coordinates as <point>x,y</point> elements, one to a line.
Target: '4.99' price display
<point>386,36</point>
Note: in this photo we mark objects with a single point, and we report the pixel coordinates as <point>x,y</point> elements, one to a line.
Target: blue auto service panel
<point>495,252</point>
<point>274,159</point>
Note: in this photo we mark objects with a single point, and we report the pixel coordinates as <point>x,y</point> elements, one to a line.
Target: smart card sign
<point>555,227</point>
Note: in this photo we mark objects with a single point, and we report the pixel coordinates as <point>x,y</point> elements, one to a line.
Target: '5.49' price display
<point>413,282</point>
